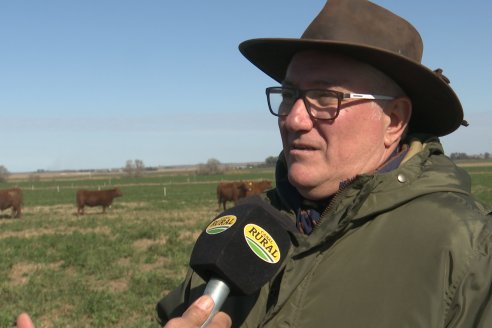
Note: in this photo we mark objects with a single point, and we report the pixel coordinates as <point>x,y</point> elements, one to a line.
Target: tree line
<point>454,156</point>
<point>136,168</point>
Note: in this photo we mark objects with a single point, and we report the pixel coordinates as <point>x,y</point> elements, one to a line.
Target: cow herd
<point>13,198</point>
<point>235,190</point>
<point>226,192</point>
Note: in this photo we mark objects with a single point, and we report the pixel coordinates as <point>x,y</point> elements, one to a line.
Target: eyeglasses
<point>321,104</point>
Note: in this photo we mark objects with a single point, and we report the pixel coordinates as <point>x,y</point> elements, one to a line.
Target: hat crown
<point>364,23</point>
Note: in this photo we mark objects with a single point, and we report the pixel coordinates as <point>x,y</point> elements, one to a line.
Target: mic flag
<point>243,246</point>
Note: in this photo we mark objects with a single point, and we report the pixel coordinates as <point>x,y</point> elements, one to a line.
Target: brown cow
<point>257,187</point>
<point>11,198</point>
<point>93,198</point>
<point>230,191</point>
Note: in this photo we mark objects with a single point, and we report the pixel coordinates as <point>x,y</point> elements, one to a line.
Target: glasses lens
<point>323,104</point>
<point>281,100</point>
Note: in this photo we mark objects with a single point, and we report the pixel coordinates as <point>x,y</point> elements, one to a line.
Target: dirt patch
<point>30,233</point>
<point>161,263</point>
<point>144,244</point>
<point>135,205</point>
<point>69,211</point>
<point>21,272</point>
<point>50,210</point>
<point>116,285</point>
<point>46,320</point>
<point>189,235</point>
<point>124,261</point>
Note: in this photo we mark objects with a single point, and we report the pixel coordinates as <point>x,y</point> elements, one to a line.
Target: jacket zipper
<point>332,203</point>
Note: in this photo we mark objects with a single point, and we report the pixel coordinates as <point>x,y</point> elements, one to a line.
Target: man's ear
<point>398,113</point>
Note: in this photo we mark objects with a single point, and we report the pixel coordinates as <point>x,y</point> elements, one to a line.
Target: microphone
<point>240,251</point>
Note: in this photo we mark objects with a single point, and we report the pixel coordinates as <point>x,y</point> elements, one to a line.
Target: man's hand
<point>193,317</point>
<point>198,313</point>
<point>24,321</point>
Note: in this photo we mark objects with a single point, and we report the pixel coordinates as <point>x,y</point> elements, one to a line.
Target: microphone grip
<point>218,290</point>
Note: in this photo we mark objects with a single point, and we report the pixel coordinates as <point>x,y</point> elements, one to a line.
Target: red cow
<point>11,198</point>
<point>93,198</point>
<point>231,191</point>
<point>257,187</point>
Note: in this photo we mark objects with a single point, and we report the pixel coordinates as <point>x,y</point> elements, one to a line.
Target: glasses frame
<point>298,93</point>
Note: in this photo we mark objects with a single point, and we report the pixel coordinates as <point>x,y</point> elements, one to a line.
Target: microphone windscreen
<point>244,246</point>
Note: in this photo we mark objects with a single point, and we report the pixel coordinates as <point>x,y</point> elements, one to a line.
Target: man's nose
<point>298,118</point>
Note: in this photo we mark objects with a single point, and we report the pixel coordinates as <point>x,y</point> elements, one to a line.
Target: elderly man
<point>388,232</point>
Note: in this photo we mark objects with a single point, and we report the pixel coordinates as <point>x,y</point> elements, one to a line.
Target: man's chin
<point>301,177</point>
<point>308,184</point>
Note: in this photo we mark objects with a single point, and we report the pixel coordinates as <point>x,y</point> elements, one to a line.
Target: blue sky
<point>93,83</point>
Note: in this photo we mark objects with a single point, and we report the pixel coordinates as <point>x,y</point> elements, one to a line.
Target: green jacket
<point>407,248</point>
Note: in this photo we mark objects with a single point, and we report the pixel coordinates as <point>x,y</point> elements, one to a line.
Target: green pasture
<point>103,270</point>
<point>109,270</point>
<point>482,183</point>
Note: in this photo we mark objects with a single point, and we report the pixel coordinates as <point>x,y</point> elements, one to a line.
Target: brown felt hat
<point>374,35</point>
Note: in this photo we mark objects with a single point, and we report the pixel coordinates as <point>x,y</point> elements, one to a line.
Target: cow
<point>93,198</point>
<point>230,191</point>
<point>11,197</point>
<point>257,187</point>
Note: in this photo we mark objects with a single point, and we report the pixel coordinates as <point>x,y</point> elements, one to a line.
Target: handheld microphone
<point>240,251</point>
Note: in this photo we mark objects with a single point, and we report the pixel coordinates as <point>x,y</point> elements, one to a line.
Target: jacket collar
<point>370,194</point>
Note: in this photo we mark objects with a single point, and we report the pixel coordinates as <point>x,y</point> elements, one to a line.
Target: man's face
<point>321,154</point>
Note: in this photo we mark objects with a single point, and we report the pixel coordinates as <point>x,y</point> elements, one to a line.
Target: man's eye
<point>320,97</point>
<point>288,95</point>
<point>326,99</point>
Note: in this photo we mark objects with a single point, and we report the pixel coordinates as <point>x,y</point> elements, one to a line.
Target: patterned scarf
<point>306,220</point>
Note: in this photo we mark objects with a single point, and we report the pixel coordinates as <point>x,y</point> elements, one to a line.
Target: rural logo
<point>261,243</point>
<point>221,224</point>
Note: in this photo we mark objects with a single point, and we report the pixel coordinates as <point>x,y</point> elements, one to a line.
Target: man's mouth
<point>301,147</point>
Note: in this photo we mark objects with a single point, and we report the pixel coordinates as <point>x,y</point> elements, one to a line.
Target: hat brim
<point>436,108</point>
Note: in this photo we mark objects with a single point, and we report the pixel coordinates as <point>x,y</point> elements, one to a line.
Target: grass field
<point>109,270</point>
<point>481,182</point>
<point>102,270</point>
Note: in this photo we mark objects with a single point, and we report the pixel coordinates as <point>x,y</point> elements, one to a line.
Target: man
<point>388,232</point>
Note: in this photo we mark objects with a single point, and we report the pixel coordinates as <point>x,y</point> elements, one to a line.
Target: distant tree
<point>212,167</point>
<point>4,173</point>
<point>134,169</point>
<point>139,168</point>
<point>129,168</point>
<point>271,160</point>
<point>455,156</point>
<point>486,155</point>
